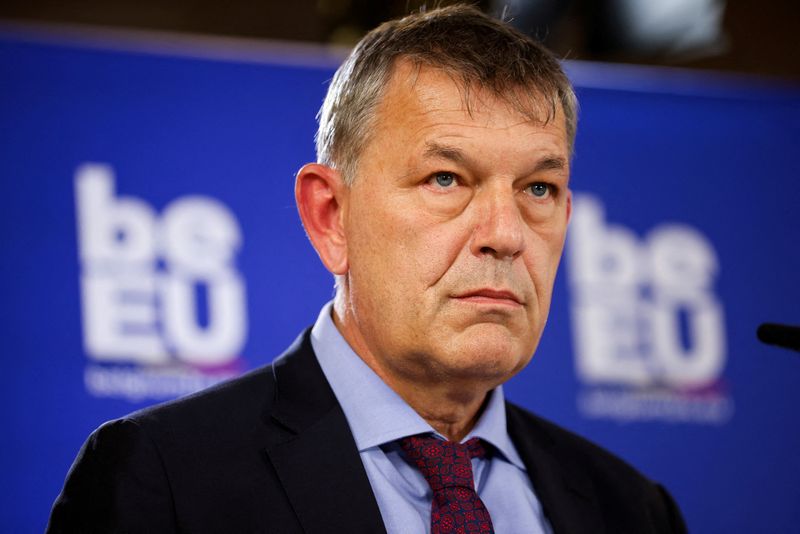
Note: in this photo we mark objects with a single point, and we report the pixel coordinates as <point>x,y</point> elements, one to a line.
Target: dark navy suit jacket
<point>271,452</point>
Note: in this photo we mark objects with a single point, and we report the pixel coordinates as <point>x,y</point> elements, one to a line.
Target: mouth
<point>491,297</point>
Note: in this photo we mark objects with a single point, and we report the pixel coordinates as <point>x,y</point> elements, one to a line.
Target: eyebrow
<point>435,150</point>
<point>456,155</point>
<point>551,163</point>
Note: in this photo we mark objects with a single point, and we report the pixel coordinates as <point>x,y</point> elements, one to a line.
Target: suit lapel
<point>566,493</point>
<point>313,451</point>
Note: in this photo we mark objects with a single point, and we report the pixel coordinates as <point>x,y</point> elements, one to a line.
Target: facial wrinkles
<point>468,271</point>
<point>477,113</point>
<point>462,270</point>
<point>435,116</point>
<point>487,272</point>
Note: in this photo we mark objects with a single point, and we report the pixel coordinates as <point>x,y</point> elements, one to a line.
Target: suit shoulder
<point>232,403</point>
<point>564,443</point>
<point>629,500</point>
<point>213,419</point>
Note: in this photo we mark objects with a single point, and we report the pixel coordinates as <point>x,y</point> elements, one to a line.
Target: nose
<point>499,227</point>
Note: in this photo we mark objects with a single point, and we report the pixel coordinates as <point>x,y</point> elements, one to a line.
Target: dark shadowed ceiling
<point>747,36</point>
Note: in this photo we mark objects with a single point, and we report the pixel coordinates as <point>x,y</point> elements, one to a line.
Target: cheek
<point>438,251</point>
<point>423,246</point>
<point>392,260</point>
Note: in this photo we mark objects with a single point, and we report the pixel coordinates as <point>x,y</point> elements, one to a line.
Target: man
<point>440,202</point>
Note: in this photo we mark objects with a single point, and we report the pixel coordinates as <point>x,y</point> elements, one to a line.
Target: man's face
<point>455,225</point>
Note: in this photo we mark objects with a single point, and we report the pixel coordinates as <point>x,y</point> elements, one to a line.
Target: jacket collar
<point>566,493</point>
<point>308,442</point>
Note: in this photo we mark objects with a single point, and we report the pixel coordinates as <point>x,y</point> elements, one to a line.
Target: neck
<point>451,417</point>
<point>450,406</point>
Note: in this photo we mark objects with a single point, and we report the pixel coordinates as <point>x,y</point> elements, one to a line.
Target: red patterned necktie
<point>447,466</point>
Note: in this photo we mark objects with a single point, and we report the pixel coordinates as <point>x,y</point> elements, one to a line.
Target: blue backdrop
<point>150,246</point>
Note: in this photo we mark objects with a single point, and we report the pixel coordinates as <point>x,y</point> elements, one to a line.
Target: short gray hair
<point>479,52</point>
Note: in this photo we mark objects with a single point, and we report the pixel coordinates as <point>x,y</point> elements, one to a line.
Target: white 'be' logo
<point>629,298</point>
<point>141,275</point>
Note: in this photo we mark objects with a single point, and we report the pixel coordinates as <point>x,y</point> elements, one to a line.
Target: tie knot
<point>444,463</point>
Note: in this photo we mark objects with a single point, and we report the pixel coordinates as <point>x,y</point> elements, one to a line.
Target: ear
<point>321,197</point>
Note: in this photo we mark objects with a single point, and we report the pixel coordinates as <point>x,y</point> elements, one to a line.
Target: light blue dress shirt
<point>378,418</point>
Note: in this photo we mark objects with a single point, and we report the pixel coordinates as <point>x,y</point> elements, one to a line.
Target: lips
<point>491,296</point>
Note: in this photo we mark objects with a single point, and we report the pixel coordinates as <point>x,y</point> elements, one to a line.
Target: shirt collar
<point>376,414</point>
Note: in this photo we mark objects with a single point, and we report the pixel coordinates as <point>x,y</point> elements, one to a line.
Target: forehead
<point>417,97</point>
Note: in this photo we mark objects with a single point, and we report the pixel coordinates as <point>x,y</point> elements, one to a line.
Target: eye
<point>540,189</point>
<point>443,179</point>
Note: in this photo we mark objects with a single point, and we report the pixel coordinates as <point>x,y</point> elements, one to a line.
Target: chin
<point>492,339</point>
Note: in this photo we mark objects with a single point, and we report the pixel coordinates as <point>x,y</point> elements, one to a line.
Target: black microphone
<point>780,335</point>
